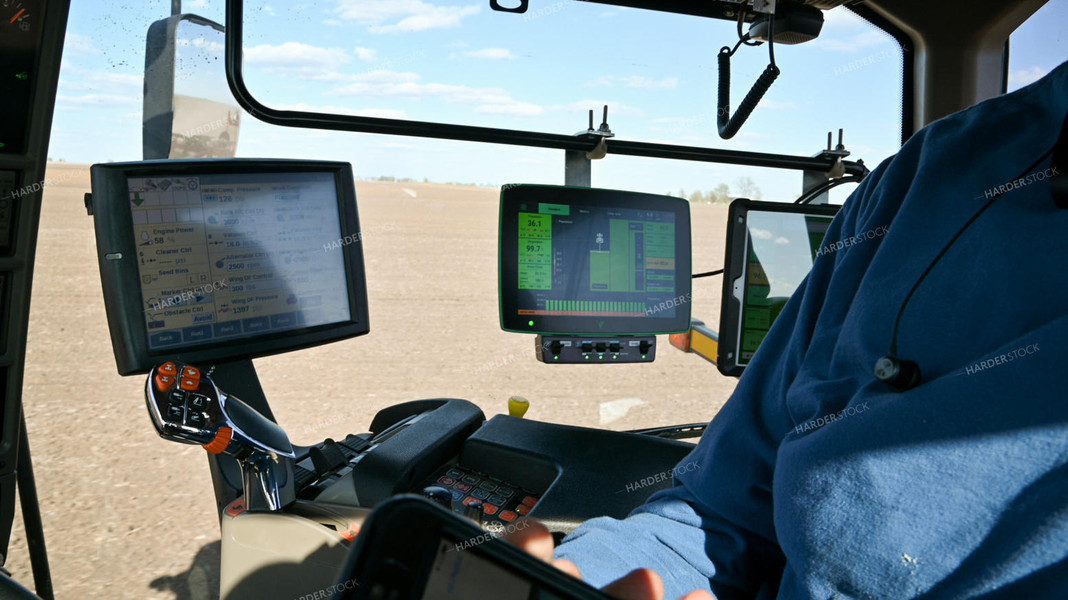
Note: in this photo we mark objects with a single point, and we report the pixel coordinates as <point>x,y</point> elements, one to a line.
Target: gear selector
<point>187,407</point>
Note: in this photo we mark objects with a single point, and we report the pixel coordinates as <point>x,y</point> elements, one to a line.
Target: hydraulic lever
<point>187,407</point>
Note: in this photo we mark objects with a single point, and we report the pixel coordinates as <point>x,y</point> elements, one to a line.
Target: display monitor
<point>770,249</point>
<point>208,261</point>
<point>581,261</point>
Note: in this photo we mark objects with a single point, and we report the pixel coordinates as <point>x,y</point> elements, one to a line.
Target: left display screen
<point>219,260</point>
<point>221,257</point>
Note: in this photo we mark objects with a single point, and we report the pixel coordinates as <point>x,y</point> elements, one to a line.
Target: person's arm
<point>714,529</point>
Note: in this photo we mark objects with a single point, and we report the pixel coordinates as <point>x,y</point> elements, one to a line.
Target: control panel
<point>489,501</point>
<point>595,350</point>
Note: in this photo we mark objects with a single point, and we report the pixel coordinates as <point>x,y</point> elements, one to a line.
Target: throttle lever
<point>186,406</point>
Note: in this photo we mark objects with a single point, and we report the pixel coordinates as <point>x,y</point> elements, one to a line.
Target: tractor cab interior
<point>212,259</point>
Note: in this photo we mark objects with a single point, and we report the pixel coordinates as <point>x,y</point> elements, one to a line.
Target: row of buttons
<point>493,494</point>
<point>177,412</point>
<point>167,374</point>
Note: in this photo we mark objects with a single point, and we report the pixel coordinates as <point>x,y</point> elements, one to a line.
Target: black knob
<point>438,495</point>
<point>474,512</point>
<point>900,375</point>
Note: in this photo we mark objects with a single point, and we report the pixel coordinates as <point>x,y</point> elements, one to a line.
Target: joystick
<point>187,407</point>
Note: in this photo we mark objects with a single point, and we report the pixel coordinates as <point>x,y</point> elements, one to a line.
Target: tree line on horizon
<point>722,195</point>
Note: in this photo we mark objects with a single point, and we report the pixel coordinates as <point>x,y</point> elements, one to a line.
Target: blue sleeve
<point>953,488</point>
<point>714,529</point>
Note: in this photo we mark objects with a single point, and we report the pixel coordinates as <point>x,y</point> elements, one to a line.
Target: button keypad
<point>502,502</point>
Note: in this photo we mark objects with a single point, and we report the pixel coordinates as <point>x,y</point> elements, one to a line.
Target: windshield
<point>428,208</point>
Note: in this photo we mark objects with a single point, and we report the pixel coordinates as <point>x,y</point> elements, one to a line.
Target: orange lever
<point>221,441</point>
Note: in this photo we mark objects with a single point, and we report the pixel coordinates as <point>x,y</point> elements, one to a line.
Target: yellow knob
<point>517,406</point>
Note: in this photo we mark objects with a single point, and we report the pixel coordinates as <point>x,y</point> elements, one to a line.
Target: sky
<point>457,61</point>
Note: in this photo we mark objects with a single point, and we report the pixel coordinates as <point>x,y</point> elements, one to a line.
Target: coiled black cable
<point>729,125</point>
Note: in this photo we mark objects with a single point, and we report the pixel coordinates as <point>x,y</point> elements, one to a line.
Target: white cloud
<point>515,109</point>
<point>97,99</point>
<point>392,16</point>
<point>1024,77</point>
<point>203,44</point>
<point>782,241</point>
<point>305,107</point>
<point>297,59</point>
<point>602,81</point>
<point>637,81</point>
<point>490,53</point>
<point>761,234</point>
<point>388,84</point>
<point>383,76</point>
<point>79,45</point>
<point>294,53</point>
<point>383,113</point>
<point>365,54</point>
<point>113,82</point>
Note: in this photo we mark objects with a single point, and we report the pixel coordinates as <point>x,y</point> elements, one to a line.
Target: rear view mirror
<point>188,109</point>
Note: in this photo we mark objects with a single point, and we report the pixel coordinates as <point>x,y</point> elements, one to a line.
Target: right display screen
<point>770,250</point>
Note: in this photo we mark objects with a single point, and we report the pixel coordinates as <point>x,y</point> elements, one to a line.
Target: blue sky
<point>457,61</point>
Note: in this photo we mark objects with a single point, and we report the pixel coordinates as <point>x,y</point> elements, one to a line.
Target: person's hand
<point>639,584</point>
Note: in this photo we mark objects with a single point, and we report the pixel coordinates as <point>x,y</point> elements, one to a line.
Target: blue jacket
<point>816,480</point>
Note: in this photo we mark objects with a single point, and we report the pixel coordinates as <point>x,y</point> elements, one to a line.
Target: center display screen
<point>587,261</point>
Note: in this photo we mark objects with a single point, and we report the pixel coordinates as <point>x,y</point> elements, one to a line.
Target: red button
<point>446,481</point>
<point>490,509</point>
<point>507,515</point>
<point>462,487</point>
<point>168,368</point>
<point>468,501</point>
<point>530,501</point>
<point>522,509</point>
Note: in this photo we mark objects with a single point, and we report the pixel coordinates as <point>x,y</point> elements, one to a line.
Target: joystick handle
<point>185,406</point>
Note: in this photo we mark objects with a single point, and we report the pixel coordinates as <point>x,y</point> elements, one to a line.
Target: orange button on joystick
<point>163,382</point>
<point>169,368</point>
<point>221,441</point>
<point>189,384</point>
<point>191,372</point>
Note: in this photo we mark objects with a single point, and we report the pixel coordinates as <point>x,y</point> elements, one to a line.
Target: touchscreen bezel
<point>120,278</point>
<point>658,322</point>
<point>735,270</point>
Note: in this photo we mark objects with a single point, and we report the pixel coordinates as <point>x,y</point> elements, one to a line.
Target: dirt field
<point>128,515</point>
